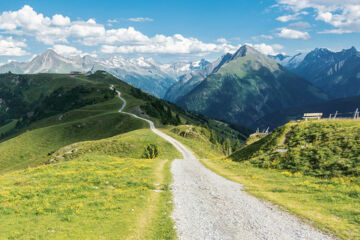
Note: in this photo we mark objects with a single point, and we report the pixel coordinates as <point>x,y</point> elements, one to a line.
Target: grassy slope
<point>99,194</point>
<point>330,204</point>
<point>46,136</point>
<point>69,199</point>
<point>326,148</point>
<point>235,92</point>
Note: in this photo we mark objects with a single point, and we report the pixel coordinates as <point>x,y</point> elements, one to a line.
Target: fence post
<point>356,114</point>
<point>335,114</point>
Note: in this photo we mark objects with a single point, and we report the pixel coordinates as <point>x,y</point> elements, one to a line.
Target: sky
<point>174,30</point>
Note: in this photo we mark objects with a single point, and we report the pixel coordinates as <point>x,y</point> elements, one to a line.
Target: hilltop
<point>321,148</point>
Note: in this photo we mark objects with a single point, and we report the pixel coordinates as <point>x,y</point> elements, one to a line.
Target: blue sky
<point>175,30</point>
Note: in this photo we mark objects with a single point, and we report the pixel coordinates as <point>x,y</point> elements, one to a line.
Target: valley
<point>93,148</point>
<point>188,120</point>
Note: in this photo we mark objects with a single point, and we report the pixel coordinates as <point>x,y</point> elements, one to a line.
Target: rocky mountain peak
<point>245,50</point>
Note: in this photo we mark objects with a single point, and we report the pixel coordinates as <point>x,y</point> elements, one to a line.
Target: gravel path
<point>208,206</point>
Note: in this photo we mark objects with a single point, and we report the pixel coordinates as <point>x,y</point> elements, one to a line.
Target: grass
<point>196,139</point>
<point>324,148</point>
<point>46,136</point>
<point>332,205</point>
<point>96,195</point>
<point>71,175</point>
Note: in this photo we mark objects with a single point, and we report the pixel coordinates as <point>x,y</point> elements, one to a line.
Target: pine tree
<point>213,137</point>
<point>178,120</point>
<point>236,145</point>
<point>227,147</point>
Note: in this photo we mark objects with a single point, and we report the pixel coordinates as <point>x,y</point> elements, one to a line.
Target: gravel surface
<point>208,206</point>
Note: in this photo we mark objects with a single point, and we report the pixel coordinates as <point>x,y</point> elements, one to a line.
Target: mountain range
<point>242,88</point>
<point>144,73</point>
<point>337,73</point>
<point>246,86</point>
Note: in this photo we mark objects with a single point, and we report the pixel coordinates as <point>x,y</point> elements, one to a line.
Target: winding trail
<point>208,206</point>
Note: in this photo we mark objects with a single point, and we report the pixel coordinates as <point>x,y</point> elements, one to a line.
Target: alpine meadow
<point>187,120</point>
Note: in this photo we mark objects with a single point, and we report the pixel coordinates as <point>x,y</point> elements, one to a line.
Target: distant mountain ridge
<point>144,73</point>
<point>247,86</point>
<point>337,73</point>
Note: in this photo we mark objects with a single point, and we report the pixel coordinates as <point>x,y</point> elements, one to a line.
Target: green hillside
<point>108,190</point>
<point>86,171</point>
<point>29,140</point>
<point>32,97</point>
<point>321,148</point>
<point>247,87</point>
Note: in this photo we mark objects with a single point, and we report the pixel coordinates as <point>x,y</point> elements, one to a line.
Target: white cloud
<point>12,47</point>
<point>59,31</point>
<point>291,17</point>
<point>141,19</point>
<point>45,29</point>
<point>60,20</point>
<point>86,29</point>
<point>343,15</point>
<point>66,50</point>
<point>176,44</point>
<point>293,34</point>
<point>267,49</point>
<point>221,40</point>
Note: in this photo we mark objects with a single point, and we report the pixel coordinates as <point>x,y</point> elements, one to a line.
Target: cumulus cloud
<point>12,47</point>
<point>293,34</point>
<point>176,44</point>
<point>60,20</point>
<point>141,19</point>
<point>343,15</point>
<point>221,40</point>
<point>66,50</point>
<point>45,29</point>
<point>59,31</point>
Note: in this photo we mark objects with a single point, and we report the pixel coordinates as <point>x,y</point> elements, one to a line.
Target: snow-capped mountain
<point>144,73</point>
<point>181,68</point>
<point>195,75</point>
<point>290,61</point>
<point>337,73</point>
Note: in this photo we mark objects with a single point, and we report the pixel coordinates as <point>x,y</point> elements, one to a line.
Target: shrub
<point>151,151</point>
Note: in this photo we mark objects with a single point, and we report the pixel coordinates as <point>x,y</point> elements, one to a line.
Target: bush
<point>151,151</point>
